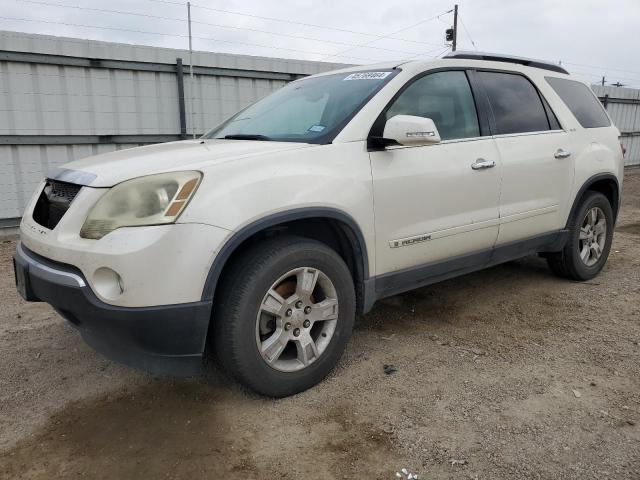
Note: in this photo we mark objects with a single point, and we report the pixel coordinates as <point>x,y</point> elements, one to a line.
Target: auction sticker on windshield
<point>367,76</point>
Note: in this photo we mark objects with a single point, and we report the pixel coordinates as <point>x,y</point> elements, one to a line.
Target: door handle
<point>481,163</point>
<point>560,153</point>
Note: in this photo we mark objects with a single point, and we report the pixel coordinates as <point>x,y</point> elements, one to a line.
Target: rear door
<point>536,154</point>
<point>430,203</point>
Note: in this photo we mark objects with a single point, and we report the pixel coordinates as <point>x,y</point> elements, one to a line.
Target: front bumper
<point>166,339</point>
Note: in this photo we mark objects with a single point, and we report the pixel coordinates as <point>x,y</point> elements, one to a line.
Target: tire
<point>569,262</point>
<point>246,321</point>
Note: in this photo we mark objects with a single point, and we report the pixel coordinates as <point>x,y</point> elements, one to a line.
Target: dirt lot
<point>503,374</point>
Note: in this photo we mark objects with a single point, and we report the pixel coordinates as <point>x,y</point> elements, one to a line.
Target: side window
<point>581,101</point>
<point>516,104</point>
<point>445,98</point>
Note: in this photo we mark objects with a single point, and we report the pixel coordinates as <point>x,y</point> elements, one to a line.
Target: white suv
<point>262,240</point>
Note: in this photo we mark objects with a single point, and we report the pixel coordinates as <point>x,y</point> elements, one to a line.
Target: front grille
<point>53,203</point>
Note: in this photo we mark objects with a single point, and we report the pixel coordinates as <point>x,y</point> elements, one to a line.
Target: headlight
<point>151,200</point>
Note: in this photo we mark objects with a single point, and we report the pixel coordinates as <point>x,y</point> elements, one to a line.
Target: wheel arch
<point>346,237</point>
<point>605,183</point>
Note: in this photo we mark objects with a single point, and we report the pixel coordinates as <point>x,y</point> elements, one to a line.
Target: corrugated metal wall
<point>62,99</point>
<point>22,167</point>
<point>623,105</point>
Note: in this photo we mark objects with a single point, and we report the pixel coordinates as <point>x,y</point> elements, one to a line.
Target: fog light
<point>108,283</point>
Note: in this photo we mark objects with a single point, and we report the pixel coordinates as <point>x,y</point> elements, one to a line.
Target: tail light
<point>624,150</point>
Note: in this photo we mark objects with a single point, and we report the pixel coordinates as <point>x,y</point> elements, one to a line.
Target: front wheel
<point>285,313</point>
<point>590,236</point>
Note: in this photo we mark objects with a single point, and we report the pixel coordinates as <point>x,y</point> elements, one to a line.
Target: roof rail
<point>496,57</point>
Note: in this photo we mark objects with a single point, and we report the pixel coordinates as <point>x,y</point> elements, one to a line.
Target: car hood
<point>111,168</point>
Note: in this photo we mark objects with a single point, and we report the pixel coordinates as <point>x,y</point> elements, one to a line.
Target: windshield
<point>311,110</point>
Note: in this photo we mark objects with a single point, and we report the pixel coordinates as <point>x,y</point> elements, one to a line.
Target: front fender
<point>332,179</point>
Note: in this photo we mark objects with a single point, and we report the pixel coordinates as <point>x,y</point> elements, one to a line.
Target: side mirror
<point>410,130</point>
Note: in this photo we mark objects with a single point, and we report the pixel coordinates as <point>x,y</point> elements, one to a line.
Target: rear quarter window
<point>581,101</point>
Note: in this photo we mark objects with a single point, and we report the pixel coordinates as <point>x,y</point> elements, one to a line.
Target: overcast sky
<point>591,38</point>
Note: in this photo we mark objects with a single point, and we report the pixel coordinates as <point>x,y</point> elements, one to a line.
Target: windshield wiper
<point>246,136</point>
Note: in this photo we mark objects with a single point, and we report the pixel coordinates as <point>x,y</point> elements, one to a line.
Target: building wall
<point>623,105</point>
<point>63,99</point>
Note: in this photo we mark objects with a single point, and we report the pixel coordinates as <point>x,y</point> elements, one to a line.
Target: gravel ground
<point>507,373</point>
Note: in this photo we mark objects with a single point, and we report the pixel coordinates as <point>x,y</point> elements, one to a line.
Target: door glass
<point>445,98</point>
<point>515,103</point>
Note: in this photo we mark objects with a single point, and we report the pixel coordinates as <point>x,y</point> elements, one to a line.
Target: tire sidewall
<point>265,378</point>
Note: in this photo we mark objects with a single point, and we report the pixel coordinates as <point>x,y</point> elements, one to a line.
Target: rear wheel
<point>590,236</point>
<point>285,313</point>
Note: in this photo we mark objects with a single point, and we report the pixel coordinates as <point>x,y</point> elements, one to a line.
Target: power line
<point>291,22</point>
<point>437,55</point>
<point>602,68</point>
<point>467,32</point>
<point>597,80</point>
<point>442,52</point>
<point>180,36</point>
<point>351,31</point>
<point>389,35</point>
<point>102,10</point>
<point>174,19</point>
<point>596,74</point>
<point>339,54</point>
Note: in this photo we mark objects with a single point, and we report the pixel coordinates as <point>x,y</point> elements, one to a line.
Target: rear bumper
<point>167,339</point>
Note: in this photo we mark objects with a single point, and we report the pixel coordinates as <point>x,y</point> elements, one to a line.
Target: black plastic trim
<point>368,294</point>
<point>164,339</point>
<point>277,218</point>
<point>485,114</point>
<point>411,278</point>
<point>527,62</point>
<point>590,181</point>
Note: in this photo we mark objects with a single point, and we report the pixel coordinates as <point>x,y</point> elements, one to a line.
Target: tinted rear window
<point>515,102</point>
<point>581,101</point>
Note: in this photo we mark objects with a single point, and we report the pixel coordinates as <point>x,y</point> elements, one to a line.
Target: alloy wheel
<point>593,235</point>
<point>297,319</point>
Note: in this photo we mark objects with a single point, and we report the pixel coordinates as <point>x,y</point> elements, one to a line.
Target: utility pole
<point>603,81</point>
<point>192,86</point>
<point>455,28</point>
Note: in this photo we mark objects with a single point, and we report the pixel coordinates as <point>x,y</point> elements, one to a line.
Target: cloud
<point>592,38</point>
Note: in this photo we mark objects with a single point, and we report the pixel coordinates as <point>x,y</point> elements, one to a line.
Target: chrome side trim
<point>45,272</point>
<point>73,176</point>
<point>524,134</point>
<point>443,142</point>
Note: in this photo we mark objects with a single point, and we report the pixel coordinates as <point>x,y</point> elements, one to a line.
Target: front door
<point>433,203</point>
